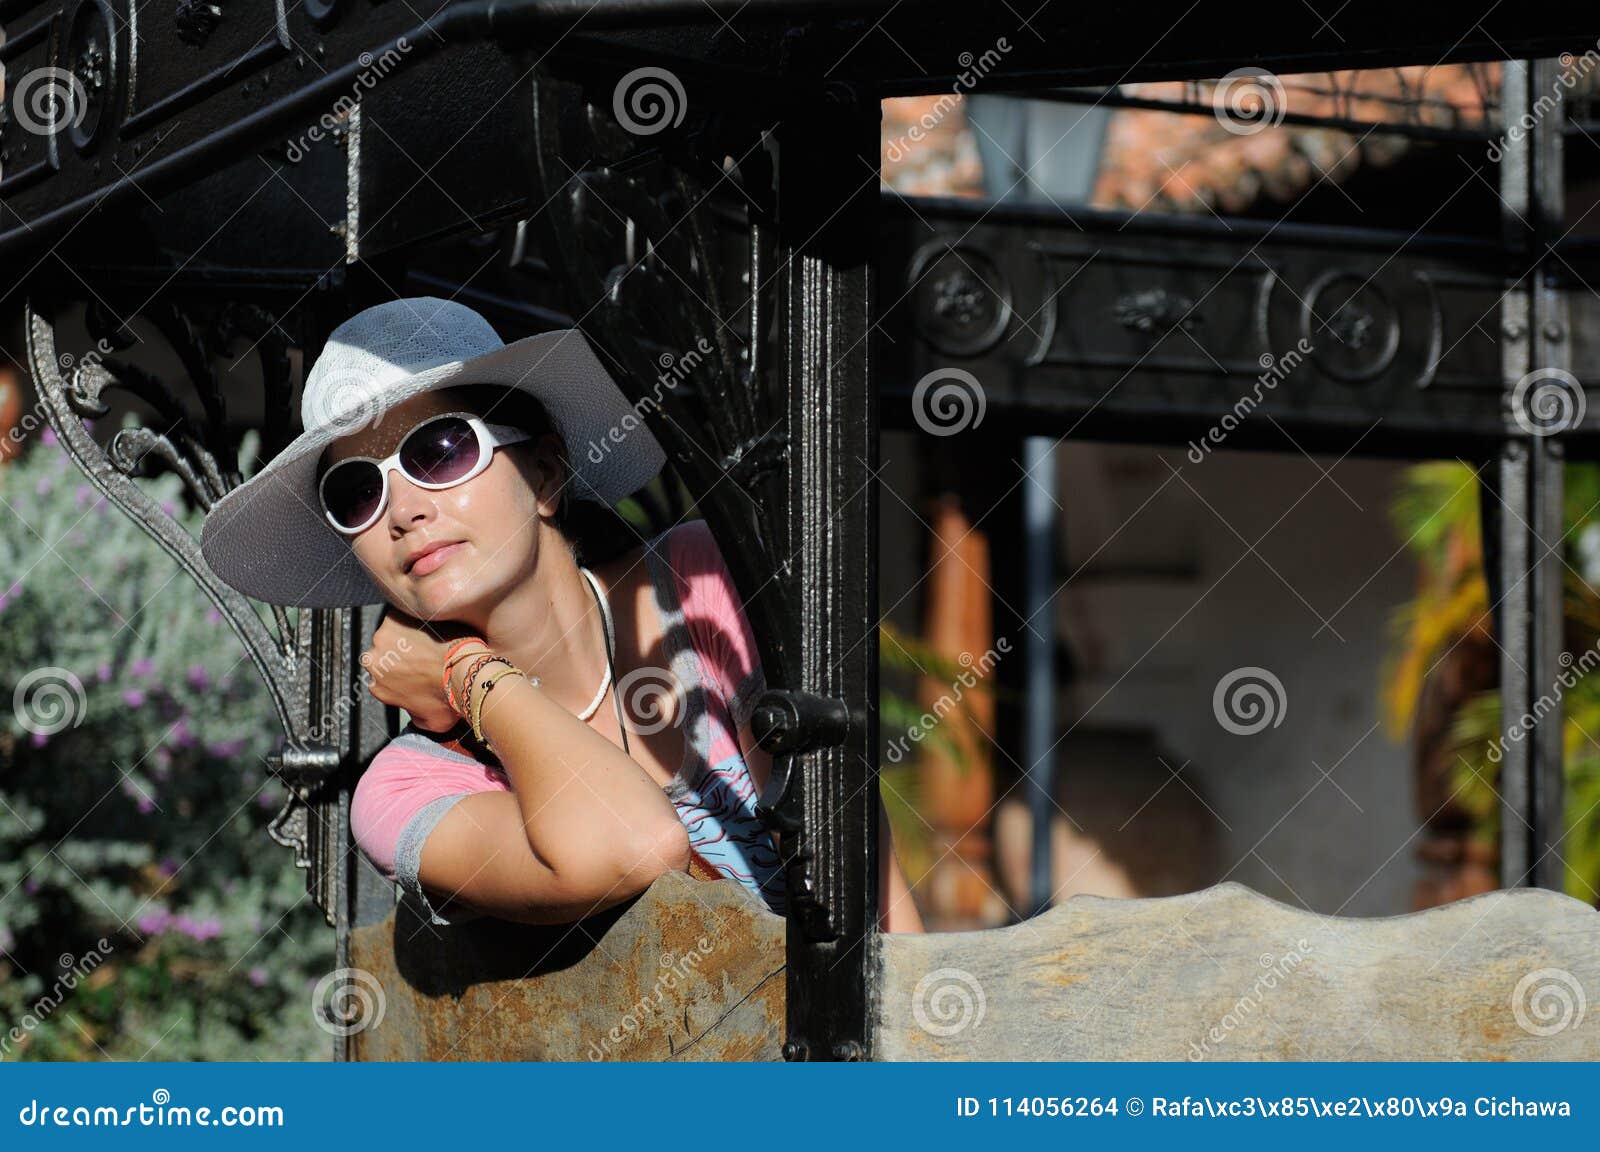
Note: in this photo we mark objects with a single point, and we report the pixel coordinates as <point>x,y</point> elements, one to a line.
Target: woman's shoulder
<point>690,548</point>
<point>690,553</point>
<point>712,609</point>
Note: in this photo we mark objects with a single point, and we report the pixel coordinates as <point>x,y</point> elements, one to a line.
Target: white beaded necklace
<point>605,611</point>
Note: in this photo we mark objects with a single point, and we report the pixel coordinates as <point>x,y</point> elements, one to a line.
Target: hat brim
<point>269,539</point>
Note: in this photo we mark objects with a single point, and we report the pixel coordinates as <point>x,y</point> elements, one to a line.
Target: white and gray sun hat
<point>269,538</point>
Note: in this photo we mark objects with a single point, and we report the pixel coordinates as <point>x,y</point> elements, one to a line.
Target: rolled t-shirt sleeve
<point>397,802</point>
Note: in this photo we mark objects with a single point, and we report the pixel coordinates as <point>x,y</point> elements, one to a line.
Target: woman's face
<point>492,527</point>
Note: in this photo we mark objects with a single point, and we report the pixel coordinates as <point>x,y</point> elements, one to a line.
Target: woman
<point>574,733</point>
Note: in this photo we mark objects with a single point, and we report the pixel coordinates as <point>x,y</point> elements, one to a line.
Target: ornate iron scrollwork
<point>658,237</point>
<point>662,233</point>
<point>303,661</point>
<point>1156,311</point>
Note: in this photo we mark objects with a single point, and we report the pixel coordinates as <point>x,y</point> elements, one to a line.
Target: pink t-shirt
<point>413,780</point>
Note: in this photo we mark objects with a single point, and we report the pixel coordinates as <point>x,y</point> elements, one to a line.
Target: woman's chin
<point>443,600</point>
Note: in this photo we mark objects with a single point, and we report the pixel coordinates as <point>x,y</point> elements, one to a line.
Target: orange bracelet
<point>449,666</point>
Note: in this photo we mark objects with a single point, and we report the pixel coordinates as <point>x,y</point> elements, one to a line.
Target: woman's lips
<point>435,560</point>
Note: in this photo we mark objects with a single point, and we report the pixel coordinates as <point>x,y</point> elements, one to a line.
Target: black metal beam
<point>202,92</point>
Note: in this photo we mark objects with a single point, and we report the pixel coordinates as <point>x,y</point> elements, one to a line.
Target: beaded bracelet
<point>478,658</point>
<point>483,698</point>
<point>466,688</point>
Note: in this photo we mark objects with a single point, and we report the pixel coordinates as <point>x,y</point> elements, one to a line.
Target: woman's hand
<point>405,666</point>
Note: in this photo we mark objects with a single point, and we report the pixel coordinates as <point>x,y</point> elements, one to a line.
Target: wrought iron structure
<point>293,158</point>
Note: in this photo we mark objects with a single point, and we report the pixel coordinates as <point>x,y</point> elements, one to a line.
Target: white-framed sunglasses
<point>439,452</point>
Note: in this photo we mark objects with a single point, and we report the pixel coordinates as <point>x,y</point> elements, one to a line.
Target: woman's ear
<point>549,474</point>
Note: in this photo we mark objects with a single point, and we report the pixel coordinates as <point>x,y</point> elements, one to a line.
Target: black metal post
<point>1528,616</point>
<point>827,207</point>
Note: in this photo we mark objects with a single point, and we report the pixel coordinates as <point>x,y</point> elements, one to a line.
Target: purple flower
<point>48,436</point>
<point>155,923</point>
<point>39,740</point>
<point>257,976</point>
<point>199,677</point>
<point>5,601</point>
<point>213,616</point>
<point>144,804</point>
<point>82,494</point>
<point>167,866</point>
<point>44,485</point>
<point>225,749</point>
<point>143,667</point>
<point>181,735</point>
<point>201,930</point>
<point>266,800</point>
<point>103,673</point>
<point>133,697</point>
<point>30,886</point>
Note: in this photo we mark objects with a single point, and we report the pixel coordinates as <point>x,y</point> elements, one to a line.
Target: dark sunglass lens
<point>440,451</point>
<point>352,492</point>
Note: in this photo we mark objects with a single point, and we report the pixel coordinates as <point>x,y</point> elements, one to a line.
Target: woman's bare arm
<point>584,827</point>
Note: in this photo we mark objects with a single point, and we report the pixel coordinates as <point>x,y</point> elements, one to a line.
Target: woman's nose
<point>408,502</point>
